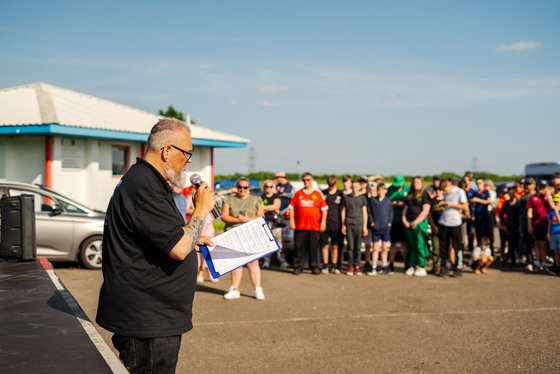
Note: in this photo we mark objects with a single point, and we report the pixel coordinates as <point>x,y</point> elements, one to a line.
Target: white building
<point>80,145</point>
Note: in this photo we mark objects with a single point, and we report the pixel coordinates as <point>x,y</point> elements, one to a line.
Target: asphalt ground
<point>504,322</point>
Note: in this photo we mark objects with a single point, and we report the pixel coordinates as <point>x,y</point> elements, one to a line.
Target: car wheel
<point>90,252</point>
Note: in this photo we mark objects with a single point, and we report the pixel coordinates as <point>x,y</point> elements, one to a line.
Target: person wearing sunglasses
<point>308,218</point>
<point>149,261</point>
<point>482,257</point>
<point>236,211</point>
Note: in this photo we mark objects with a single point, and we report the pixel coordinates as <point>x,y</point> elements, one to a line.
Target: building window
<point>120,159</point>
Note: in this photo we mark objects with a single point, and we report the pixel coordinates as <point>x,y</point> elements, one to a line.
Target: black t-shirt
<point>415,206</point>
<point>145,293</point>
<point>354,212</point>
<point>334,202</point>
<point>269,216</point>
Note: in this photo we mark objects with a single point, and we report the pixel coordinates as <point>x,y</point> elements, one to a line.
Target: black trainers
<point>457,273</point>
<point>391,267</point>
<point>297,271</point>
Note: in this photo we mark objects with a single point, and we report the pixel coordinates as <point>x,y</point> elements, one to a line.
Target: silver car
<point>66,229</point>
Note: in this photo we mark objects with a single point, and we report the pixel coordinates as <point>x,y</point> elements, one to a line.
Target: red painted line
<point>46,264</point>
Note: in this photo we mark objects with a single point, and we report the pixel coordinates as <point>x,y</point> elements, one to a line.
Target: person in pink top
<point>208,230</point>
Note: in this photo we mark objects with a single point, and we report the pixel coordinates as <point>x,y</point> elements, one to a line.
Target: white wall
<point>22,158</point>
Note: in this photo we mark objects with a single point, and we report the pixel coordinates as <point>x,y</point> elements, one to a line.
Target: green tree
<point>172,113</point>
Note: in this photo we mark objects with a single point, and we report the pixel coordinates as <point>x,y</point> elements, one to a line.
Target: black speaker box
<point>18,238</point>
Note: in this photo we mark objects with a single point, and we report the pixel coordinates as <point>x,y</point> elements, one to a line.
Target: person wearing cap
<point>538,208</point>
<point>397,193</point>
<point>283,187</point>
<point>526,241</point>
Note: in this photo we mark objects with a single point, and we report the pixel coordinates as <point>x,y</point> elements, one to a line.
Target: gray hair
<point>164,132</point>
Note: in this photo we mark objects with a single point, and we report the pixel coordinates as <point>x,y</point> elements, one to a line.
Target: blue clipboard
<point>208,256</point>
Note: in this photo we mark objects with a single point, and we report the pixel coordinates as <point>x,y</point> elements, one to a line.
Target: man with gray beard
<point>149,266</point>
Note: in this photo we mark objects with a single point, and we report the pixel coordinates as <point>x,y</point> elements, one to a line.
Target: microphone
<point>196,181</point>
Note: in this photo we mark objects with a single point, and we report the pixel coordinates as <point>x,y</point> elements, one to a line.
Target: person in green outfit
<point>397,193</point>
<point>415,211</point>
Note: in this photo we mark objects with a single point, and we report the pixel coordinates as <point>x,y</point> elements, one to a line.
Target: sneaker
<point>367,268</point>
<point>259,293</point>
<point>357,271</point>
<point>297,271</point>
<point>232,294</point>
<point>199,279</point>
<point>391,267</point>
<point>315,271</point>
<point>420,272</point>
<point>337,271</point>
<point>387,271</point>
<point>284,265</point>
<point>213,280</point>
<point>409,271</point>
<point>457,273</point>
<point>372,272</point>
<point>325,269</point>
<point>529,268</point>
<point>350,271</point>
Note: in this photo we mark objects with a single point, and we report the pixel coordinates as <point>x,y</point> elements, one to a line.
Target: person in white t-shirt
<point>482,257</point>
<point>454,201</point>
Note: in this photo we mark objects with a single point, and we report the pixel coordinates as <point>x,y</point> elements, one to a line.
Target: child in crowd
<point>509,221</point>
<point>554,232</point>
<point>381,216</point>
<point>354,225</point>
<point>482,257</point>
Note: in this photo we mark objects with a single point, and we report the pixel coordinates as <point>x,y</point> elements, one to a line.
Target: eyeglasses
<point>188,155</point>
<point>242,187</point>
<point>268,186</point>
<point>306,179</point>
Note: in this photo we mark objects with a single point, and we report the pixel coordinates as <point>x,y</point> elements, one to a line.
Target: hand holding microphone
<point>204,195</point>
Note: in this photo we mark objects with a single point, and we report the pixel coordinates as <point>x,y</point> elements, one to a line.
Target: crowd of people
<point>429,226</point>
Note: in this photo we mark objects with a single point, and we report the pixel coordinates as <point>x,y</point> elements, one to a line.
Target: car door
<point>54,226</point>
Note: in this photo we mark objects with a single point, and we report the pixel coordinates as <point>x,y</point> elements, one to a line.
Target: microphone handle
<point>216,212</point>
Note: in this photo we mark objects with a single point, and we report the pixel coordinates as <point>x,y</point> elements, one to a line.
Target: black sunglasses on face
<point>243,187</point>
<point>188,155</point>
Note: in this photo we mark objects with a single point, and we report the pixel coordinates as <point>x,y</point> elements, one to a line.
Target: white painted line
<point>114,363</point>
<point>380,315</point>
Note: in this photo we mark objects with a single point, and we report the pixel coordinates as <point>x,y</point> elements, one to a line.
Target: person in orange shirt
<point>308,218</point>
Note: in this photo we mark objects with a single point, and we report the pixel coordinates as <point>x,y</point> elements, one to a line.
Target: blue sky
<point>365,87</point>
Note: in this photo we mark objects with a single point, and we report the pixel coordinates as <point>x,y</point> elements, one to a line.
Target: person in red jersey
<point>308,218</point>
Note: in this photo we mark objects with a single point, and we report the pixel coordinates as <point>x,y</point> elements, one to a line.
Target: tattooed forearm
<point>193,229</point>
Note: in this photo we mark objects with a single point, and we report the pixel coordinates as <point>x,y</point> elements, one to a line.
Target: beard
<point>178,179</point>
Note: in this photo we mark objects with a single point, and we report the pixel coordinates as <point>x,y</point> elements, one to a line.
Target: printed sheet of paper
<point>241,245</point>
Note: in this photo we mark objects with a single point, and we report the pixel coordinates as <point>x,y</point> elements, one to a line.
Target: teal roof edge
<point>56,129</point>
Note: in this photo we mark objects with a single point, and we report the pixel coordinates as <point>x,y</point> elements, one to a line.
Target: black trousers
<point>306,241</point>
<point>449,236</point>
<point>148,355</point>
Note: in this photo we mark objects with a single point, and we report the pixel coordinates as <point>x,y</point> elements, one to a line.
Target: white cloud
<point>234,102</point>
<point>268,104</point>
<point>272,89</point>
<point>519,46</point>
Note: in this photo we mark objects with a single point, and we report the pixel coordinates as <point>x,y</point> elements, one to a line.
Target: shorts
<point>540,233</point>
<point>555,242</point>
<point>398,234</point>
<point>333,234</point>
<point>383,237</point>
<point>474,264</point>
